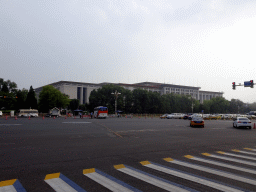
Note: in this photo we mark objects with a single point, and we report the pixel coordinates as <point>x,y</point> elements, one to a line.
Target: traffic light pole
<point>246,84</point>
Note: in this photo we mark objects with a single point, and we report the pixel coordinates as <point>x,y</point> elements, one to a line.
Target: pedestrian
<point>91,115</point>
<point>80,115</point>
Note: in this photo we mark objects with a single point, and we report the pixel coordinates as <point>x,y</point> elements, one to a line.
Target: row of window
<point>178,89</point>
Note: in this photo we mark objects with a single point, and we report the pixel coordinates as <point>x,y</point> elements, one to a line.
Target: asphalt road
<point>31,149</point>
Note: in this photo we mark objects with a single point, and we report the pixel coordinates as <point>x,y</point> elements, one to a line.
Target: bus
<point>100,112</point>
<point>28,113</point>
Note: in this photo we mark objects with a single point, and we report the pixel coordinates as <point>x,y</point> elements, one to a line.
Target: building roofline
<point>137,85</point>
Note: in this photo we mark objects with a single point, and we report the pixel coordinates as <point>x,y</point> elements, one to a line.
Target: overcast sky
<point>201,43</point>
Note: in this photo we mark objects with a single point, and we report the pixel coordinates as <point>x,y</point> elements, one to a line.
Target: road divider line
<point>215,172</point>
<point>110,130</point>
<point>12,185</point>
<point>221,164</point>
<point>230,159</point>
<point>108,181</point>
<point>9,124</point>
<point>60,183</point>
<point>76,122</point>
<point>234,155</point>
<point>197,179</point>
<point>245,152</point>
<point>151,179</point>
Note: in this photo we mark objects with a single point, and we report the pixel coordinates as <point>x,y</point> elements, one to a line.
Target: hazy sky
<point>201,43</point>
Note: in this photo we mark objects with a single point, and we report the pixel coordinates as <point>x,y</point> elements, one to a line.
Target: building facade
<point>82,91</point>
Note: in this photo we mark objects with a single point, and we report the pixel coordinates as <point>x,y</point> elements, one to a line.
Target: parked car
<point>175,116</point>
<point>195,115</point>
<point>206,115</point>
<point>163,116</point>
<point>48,115</point>
<point>242,122</point>
<point>1,113</point>
<point>197,121</point>
<point>227,116</point>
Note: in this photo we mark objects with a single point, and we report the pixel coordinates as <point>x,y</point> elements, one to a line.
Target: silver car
<point>242,122</point>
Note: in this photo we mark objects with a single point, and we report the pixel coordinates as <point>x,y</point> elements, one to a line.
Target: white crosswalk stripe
<point>245,152</point>
<point>160,178</point>
<point>231,159</point>
<point>234,155</point>
<point>226,165</point>
<point>59,185</point>
<point>149,179</point>
<point>108,181</point>
<point>9,188</point>
<point>215,171</point>
<point>189,177</point>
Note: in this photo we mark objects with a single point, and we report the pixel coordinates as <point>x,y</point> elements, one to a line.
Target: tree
<point>103,97</point>
<point>73,104</point>
<point>7,92</point>
<point>141,101</point>
<point>31,101</point>
<point>21,99</point>
<point>50,97</point>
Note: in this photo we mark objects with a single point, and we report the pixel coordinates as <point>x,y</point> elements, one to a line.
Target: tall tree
<point>50,97</point>
<point>31,101</point>
<point>74,104</point>
<point>21,99</point>
<point>8,92</point>
<point>103,97</point>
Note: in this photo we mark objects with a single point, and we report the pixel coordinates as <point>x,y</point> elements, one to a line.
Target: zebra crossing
<point>239,166</point>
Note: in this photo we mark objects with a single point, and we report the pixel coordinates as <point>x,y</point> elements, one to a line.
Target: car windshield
<point>197,119</point>
<point>243,119</point>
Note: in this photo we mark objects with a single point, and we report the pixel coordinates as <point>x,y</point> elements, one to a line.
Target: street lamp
<point>192,106</point>
<point>116,96</point>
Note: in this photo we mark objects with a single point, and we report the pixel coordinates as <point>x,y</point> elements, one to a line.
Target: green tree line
<point>135,101</point>
<point>143,101</point>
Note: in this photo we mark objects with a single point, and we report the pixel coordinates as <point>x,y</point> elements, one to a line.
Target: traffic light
<point>251,83</point>
<point>234,85</point>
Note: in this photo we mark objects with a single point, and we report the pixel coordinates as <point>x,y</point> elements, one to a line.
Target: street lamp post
<point>116,96</point>
<point>192,106</point>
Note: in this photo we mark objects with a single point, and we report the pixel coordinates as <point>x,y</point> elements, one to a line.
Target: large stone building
<point>81,91</point>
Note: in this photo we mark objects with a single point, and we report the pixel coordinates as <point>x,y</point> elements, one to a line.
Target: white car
<point>197,115</point>
<point>242,122</point>
<point>1,113</point>
<point>175,116</point>
<point>206,115</point>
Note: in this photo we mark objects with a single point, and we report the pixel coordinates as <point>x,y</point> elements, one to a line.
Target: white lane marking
<point>76,122</point>
<point>215,171</point>
<point>245,152</point>
<point>8,188</point>
<point>151,180</point>
<point>250,149</point>
<point>59,185</point>
<point>111,185</point>
<point>234,160</point>
<point>193,178</point>
<point>241,156</point>
<point>224,165</point>
<point>9,124</point>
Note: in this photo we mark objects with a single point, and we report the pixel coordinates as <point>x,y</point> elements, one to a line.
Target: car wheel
<point>202,126</point>
<point>233,125</point>
<point>250,127</point>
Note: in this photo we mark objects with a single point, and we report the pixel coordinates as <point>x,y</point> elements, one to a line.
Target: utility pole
<point>116,96</point>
